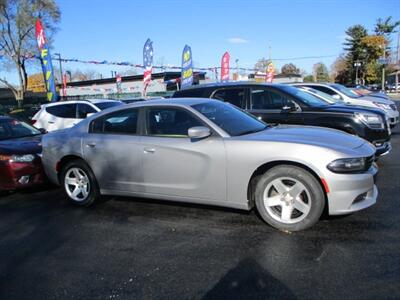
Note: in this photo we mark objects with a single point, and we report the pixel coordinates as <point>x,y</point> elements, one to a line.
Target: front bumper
<point>352,192</point>
<point>393,117</point>
<point>14,176</point>
<point>383,148</point>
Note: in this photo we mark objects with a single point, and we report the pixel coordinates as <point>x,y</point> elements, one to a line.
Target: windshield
<point>231,119</point>
<point>10,129</point>
<point>345,90</point>
<point>105,105</point>
<point>305,97</point>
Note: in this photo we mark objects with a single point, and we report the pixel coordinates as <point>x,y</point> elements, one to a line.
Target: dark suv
<point>284,104</point>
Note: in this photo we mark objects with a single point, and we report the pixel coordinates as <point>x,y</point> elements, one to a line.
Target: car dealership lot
<point>129,248</point>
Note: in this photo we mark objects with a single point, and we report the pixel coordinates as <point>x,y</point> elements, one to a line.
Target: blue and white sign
<point>187,68</point>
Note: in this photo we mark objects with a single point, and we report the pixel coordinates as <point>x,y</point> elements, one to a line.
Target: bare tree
<point>262,64</point>
<point>290,68</point>
<point>17,36</point>
<point>78,75</point>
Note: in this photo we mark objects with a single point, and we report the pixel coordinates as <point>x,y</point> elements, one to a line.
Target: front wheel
<point>289,198</point>
<point>79,183</point>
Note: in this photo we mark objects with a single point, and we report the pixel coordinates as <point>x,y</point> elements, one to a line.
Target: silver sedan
<point>209,152</point>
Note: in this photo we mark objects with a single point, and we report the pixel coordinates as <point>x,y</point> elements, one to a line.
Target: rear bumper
<point>352,192</point>
<point>14,176</point>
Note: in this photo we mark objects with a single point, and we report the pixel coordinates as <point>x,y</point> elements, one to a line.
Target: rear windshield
<point>348,92</point>
<point>10,129</point>
<point>105,105</point>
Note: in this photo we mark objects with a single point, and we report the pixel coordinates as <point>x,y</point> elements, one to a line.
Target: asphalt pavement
<point>128,248</point>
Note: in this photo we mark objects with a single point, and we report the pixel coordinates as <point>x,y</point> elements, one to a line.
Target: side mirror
<point>89,115</point>
<point>288,109</point>
<point>42,130</point>
<point>337,97</point>
<point>199,132</point>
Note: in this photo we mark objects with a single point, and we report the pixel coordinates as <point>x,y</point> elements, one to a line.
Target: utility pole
<point>269,53</point>
<point>59,60</point>
<point>237,69</point>
<point>398,61</point>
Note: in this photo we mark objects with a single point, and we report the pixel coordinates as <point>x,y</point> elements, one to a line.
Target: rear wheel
<point>79,183</point>
<point>289,198</point>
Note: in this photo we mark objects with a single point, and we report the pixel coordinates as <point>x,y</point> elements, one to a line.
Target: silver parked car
<point>210,152</point>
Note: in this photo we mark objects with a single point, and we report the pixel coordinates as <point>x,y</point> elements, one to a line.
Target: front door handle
<point>50,122</point>
<point>149,150</point>
<point>91,145</point>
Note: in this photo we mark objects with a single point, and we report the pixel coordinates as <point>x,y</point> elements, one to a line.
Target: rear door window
<point>235,96</point>
<point>67,111</point>
<point>119,122</point>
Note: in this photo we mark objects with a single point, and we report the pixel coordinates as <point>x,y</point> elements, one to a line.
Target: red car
<point>20,148</point>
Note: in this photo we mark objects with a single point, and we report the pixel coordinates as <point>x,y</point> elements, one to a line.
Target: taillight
<point>33,122</point>
<point>5,157</point>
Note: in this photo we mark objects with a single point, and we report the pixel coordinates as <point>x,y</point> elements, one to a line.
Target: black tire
<point>93,187</point>
<point>311,195</point>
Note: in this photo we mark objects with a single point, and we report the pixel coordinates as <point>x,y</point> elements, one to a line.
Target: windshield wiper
<point>252,131</point>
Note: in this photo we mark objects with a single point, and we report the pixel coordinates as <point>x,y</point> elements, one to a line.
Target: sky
<point>116,30</point>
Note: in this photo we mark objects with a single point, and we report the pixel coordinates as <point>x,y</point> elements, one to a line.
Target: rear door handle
<point>51,122</point>
<point>149,150</point>
<point>91,145</point>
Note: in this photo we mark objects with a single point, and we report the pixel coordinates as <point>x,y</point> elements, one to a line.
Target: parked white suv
<point>346,95</point>
<point>60,115</point>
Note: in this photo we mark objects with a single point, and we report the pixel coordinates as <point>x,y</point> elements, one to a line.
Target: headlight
<point>347,165</point>
<point>371,120</point>
<point>381,105</point>
<point>22,158</point>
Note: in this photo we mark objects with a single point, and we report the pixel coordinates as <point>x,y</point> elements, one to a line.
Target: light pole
<point>357,64</point>
<point>383,65</point>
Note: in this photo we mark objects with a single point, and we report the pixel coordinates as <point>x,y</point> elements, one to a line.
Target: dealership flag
<point>270,73</point>
<point>225,67</point>
<point>47,65</point>
<point>147,63</point>
<point>187,67</point>
<point>118,81</point>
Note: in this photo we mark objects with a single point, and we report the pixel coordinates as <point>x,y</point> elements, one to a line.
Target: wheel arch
<point>66,159</point>
<point>269,165</point>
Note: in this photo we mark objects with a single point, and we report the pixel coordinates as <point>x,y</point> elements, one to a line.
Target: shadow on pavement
<point>249,280</point>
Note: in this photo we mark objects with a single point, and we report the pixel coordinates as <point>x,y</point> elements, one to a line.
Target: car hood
<point>351,109</point>
<point>376,99</point>
<point>26,145</point>
<point>378,95</point>
<point>316,136</point>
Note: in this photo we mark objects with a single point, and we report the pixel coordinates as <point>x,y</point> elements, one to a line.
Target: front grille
<point>369,161</point>
<point>393,106</point>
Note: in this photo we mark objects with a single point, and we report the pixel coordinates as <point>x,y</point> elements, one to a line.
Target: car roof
<point>169,101</point>
<point>2,118</point>
<point>231,83</point>
<point>312,83</point>
<point>93,101</point>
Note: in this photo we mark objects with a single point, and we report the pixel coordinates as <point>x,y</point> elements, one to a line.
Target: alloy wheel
<point>77,184</point>
<point>287,200</point>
